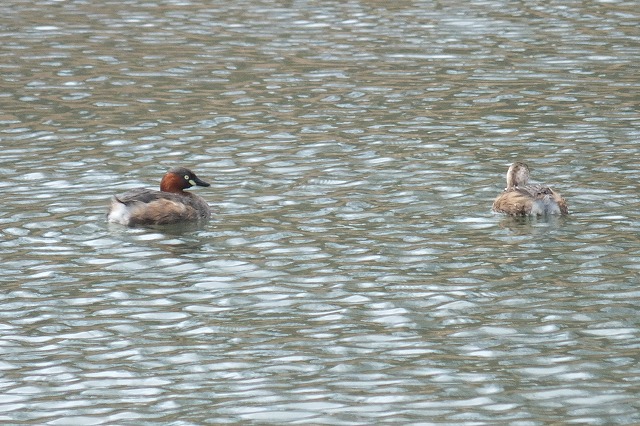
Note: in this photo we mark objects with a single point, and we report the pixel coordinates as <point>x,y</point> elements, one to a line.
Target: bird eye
<point>186,177</point>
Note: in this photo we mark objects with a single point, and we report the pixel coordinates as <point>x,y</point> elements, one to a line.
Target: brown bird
<point>170,205</point>
<point>521,199</point>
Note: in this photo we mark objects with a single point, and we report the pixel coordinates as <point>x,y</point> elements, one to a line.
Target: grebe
<point>521,199</point>
<point>170,205</point>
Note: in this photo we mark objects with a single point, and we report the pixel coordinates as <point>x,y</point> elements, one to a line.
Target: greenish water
<point>353,272</point>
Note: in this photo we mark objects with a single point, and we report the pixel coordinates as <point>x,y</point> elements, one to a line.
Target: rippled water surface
<point>353,273</point>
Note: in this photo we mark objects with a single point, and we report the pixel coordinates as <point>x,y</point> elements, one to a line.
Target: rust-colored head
<point>178,179</point>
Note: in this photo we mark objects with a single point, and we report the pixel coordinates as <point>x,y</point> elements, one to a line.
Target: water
<point>353,272</point>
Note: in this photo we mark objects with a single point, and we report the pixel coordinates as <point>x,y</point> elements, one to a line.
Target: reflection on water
<point>353,272</point>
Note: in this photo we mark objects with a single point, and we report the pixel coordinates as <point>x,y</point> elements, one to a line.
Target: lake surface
<point>353,273</point>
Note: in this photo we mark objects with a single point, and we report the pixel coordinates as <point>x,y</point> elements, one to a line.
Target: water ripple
<point>353,272</point>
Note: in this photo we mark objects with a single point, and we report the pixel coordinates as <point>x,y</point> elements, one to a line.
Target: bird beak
<point>197,181</point>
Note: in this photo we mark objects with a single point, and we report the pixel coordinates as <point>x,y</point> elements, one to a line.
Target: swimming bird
<point>170,205</point>
<point>521,199</point>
